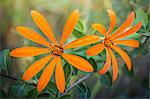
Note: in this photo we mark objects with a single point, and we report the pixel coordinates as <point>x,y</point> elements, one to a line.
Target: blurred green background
<point>134,84</point>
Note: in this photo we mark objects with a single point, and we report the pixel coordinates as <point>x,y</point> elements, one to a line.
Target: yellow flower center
<point>56,50</point>
<point>108,42</point>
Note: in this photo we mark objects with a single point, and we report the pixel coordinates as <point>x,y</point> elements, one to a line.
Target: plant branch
<point>10,77</point>
<point>75,84</point>
<point>13,78</point>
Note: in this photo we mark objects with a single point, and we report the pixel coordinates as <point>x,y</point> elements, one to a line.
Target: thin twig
<point>13,78</point>
<point>75,84</point>
<point>10,77</point>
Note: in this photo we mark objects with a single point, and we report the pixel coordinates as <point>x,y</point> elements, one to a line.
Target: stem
<point>75,84</point>
<point>10,77</point>
<point>13,78</point>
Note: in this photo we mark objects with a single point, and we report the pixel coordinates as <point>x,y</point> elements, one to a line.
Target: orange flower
<point>111,41</point>
<point>54,50</point>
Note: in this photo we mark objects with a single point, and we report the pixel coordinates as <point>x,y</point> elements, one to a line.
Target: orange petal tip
<point>24,78</point>
<point>132,12</point>
<point>18,28</point>
<point>76,10</point>
<point>39,90</point>
<point>93,25</point>
<point>61,91</point>
<point>33,12</point>
<point>11,53</point>
<point>140,23</point>
<point>91,69</point>
<point>109,10</point>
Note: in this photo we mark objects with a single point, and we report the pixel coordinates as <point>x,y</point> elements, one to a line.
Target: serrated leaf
<point>93,63</point>
<point>4,59</point>
<point>106,80</point>
<point>19,89</point>
<point>141,16</point>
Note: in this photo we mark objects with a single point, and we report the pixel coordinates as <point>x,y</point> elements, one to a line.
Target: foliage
<point>22,89</point>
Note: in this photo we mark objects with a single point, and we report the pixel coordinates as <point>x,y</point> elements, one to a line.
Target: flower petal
<point>78,62</point>
<point>100,28</point>
<point>69,26</point>
<point>125,25</point>
<point>114,64</point>
<point>107,64</point>
<point>46,75</point>
<point>60,77</point>
<point>133,30</point>
<point>125,57</point>
<point>86,40</point>
<point>43,25</point>
<point>94,50</point>
<point>32,35</point>
<point>28,51</point>
<point>35,68</point>
<point>112,16</point>
<point>131,43</point>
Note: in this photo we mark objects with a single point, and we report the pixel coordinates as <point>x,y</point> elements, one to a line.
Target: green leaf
<point>141,16</point>
<point>19,89</point>
<point>77,34</point>
<point>66,97</point>
<point>4,59</point>
<point>74,71</point>
<point>81,88</point>
<point>78,31</point>
<point>106,80</point>
<point>136,35</point>
<point>80,52</point>
<point>82,92</point>
<point>79,27</point>
<point>67,72</point>
<point>52,88</point>
<point>93,63</point>
<point>33,93</point>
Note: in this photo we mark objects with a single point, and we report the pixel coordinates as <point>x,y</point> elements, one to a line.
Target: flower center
<point>108,42</point>
<point>56,50</point>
